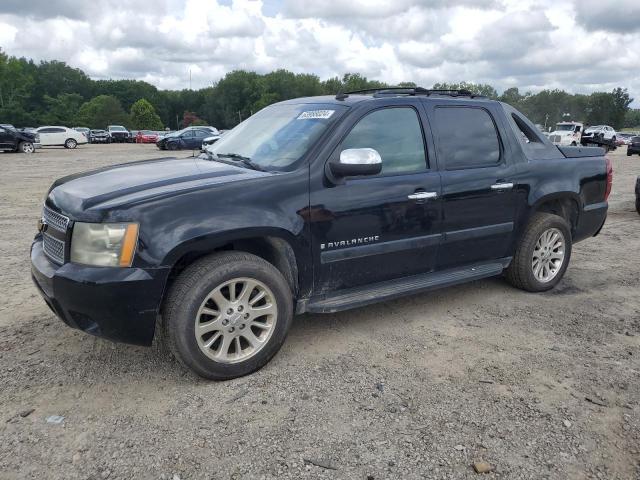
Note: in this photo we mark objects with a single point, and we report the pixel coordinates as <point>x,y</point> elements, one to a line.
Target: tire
<point>70,143</point>
<point>628,153</point>
<point>520,272</point>
<point>26,147</point>
<point>173,146</point>
<point>192,294</point>
<point>574,144</point>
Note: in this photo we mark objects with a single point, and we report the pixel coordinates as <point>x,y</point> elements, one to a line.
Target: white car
<point>567,134</point>
<point>52,136</point>
<point>600,133</point>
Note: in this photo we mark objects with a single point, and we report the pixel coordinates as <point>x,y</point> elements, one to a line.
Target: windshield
<point>117,129</point>
<point>279,135</point>
<point>564,127</point>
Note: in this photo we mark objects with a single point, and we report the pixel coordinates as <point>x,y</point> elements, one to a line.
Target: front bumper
<point>119,304</point>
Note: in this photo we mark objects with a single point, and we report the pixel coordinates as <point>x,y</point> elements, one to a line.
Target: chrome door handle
<point>423,196</point>
<point>502,186</point>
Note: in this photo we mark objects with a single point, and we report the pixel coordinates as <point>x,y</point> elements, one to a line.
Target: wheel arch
<point>276,246</point>
<point>563,204</point>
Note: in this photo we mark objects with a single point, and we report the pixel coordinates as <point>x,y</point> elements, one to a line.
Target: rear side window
<point>397,136</point>
<point>466,138</point>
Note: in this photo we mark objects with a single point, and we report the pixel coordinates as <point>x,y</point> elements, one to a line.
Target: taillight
<point>607,192</point>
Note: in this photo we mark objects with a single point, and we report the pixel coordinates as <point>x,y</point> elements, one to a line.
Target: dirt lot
<point>539,386</point>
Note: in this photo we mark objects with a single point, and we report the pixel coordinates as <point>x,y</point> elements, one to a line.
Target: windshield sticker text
<point>316,114</point>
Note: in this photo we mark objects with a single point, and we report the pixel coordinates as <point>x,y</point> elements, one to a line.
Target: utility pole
<point>239,116</point>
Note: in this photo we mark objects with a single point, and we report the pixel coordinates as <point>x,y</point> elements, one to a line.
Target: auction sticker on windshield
<point>316,114</point>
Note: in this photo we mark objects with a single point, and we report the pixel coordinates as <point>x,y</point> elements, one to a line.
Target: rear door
<point>200,135</point>
<point>61,135</point>
<point>376,228</point>
<point>478,203</point>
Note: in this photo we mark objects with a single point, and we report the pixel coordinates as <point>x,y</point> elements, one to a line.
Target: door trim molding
<point>478,232</point>
<point>392,246</point>
<point>349,253</point>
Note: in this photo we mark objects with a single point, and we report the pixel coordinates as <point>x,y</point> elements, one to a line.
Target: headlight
<point>104,244</point>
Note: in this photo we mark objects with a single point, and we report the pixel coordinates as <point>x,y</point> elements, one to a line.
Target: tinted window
<point>58,130</point>
<point>396,134</point>
<point>466,138</point>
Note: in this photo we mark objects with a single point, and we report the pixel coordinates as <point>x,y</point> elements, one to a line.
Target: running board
<point>360,296</point>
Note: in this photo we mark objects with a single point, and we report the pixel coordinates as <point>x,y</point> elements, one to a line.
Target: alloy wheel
<point>236,320</point>
<point>548,255</point>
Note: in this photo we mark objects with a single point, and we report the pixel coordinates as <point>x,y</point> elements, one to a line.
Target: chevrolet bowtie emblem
<point>42,225</point>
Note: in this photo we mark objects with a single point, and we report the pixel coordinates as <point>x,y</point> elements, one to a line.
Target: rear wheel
<point>26,147</point>
<point>227,315</point>
<point>543,254</point>
<point>70,143</point>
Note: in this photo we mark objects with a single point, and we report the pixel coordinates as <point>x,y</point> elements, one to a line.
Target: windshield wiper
<point>240,158</point>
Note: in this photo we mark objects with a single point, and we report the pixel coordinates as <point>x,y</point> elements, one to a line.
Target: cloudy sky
<point>580,46</point>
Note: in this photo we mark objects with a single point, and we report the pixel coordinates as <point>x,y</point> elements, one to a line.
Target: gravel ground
<point>537,385</point>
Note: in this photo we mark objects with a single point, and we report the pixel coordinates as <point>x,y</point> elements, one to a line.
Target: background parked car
<point>634,146</point>
<point>85,131</point>
<point>118,133</point>
<point>15,141</point>
<point>99,136</point>
<point>146,136</point>
<point>189,138</point>
<point>51,136</point>
<point>599,133</point>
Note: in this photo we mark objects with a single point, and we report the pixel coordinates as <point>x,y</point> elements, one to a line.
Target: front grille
<point>555,138</point>
<point>55,220</point>
<point>53,239</point>
<point>53,248</point>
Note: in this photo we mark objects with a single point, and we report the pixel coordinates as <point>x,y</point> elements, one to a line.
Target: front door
<point>478,203</point>
<point>6,139</point>
<point>377,228</point>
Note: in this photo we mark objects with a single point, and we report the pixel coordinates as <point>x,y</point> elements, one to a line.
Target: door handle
<point>502,186</point>
<point>423,196</point>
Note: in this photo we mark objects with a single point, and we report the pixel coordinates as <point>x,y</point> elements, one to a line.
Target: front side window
<point>466,137</point>
<point>396,135</point>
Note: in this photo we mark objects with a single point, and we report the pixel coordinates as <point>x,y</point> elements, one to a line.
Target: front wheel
<point>172,146</point>
<point>227,315</point>
<point>70,143</point>
<point>26,147</point>
<point>543,254</point>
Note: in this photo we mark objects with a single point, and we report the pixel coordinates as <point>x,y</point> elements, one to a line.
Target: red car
<point>146,136</point>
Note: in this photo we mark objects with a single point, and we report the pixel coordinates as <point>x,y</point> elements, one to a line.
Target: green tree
<point>61,110</point>
<point>101,111</point>
<point>632,118</point>
<point>144,116</point>
<point>477,88</point>
<point>16,84</point>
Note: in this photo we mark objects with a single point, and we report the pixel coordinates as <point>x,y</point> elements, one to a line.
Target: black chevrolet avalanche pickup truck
<point>313,205</point>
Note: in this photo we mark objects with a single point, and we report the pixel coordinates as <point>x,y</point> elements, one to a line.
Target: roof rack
<point>412,91</point>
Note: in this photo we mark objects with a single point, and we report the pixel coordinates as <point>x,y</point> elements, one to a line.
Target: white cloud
<point>532,44</point>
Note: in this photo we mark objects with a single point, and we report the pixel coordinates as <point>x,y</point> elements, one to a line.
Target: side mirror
<point>357,161</point>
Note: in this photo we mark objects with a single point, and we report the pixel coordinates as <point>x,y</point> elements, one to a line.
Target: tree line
<point>53,93</point>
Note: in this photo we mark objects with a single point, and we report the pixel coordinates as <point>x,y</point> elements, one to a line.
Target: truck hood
<point>561,132</point>
<point>86,195</point>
